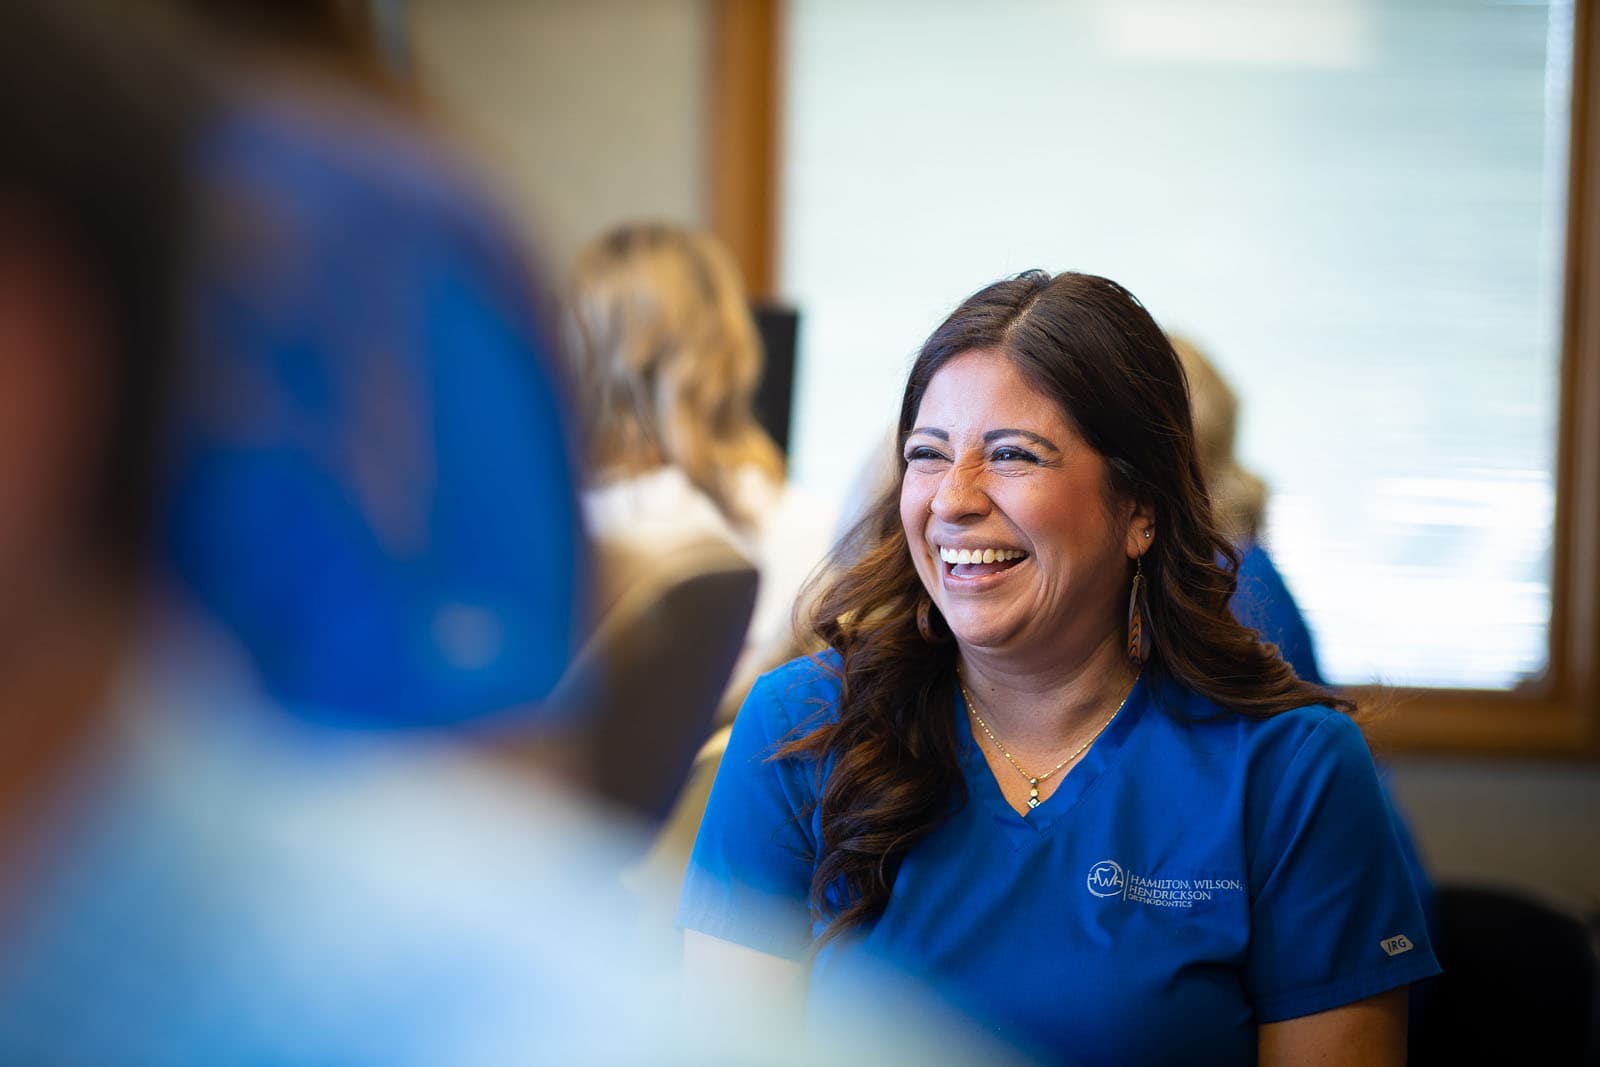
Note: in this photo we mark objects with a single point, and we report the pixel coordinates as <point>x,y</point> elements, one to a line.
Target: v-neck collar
<point>984,791</point>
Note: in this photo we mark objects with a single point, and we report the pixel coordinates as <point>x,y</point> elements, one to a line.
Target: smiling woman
<point>1040,765</point>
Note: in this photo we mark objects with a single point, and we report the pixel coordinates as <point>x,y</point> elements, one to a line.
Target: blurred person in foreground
<point>193,876</point>
<point>198,870</point>
<point>666,359</point>
<point>1041,765</point>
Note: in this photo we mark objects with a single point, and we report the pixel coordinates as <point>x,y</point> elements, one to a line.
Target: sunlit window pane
<point>1356,207</point>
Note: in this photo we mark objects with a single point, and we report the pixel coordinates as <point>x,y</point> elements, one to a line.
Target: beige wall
<point>1521,824</point>
<point>589,111</point>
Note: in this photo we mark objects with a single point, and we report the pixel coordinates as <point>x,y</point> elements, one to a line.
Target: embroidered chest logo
<point>1105,879</point>
<point>1108,879</point>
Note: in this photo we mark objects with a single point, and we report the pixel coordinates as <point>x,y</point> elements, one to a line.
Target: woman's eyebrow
<point>929,431</point>
<point>995,435</point>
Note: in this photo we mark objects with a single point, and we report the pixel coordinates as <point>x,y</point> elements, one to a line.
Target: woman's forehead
<point>983,390</point>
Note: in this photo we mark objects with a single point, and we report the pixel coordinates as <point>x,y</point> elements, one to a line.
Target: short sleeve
<point>1334,915</point>
<point>749,877</point>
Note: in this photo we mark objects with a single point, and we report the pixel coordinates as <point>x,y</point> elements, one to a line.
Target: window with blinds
<point>1357,207</point>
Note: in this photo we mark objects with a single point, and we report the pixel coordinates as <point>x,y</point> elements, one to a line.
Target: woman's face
<point>995,467</point>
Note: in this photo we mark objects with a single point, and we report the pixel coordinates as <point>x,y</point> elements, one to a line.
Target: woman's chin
<point>982,634</point>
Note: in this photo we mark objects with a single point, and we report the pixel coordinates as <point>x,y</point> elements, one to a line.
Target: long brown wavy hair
<point>1087,343</point>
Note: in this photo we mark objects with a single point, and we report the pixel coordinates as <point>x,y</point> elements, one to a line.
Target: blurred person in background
<point>666,359</point>
<point>1239,501</point>
<point>1041,765</point>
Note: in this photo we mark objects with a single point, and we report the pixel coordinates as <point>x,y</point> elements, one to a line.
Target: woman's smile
<point>969,564</point>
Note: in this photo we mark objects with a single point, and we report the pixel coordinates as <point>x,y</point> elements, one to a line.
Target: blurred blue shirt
<point>225,883</point>
<point>372,480</point>
<point>222,883</point>
<point>1263,602</point>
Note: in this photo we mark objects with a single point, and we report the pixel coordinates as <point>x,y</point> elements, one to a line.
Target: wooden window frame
<point>1557,715</point>
<point>744,112</point>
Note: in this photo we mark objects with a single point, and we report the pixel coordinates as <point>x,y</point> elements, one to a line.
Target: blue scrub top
<point>1197,874</point>
<point>1264,603</point>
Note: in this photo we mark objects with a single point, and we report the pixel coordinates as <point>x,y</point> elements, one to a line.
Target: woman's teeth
<point>980,555</point>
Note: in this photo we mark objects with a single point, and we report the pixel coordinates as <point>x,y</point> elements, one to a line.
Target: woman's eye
<point>1011,454</point>
<point>921,452</point>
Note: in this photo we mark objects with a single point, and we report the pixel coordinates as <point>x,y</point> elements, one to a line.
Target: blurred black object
<point>780,329</point>
<point>1519,984</point>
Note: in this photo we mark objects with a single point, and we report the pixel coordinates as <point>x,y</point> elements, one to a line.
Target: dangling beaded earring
<point>925,625</point>
<point>1138,618</point>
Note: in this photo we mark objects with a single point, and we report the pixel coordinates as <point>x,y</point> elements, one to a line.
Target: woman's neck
<point>1045,704</point>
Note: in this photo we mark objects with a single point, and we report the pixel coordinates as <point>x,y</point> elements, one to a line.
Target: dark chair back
<point>648,679</point>
<point>1519,984</point>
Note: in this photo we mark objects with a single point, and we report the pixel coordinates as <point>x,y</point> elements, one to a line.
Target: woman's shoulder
<point>1313,732</point>
<point>1277,738</point>
<point>801,694</point>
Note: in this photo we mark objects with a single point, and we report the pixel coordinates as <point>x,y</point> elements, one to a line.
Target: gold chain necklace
<point>1034,780</point>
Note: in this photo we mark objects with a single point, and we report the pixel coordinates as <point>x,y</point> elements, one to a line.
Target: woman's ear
<point>1141,529</point>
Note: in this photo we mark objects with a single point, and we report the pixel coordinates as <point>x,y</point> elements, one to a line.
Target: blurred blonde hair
<point>667,359</point>
<point>1238,497</point>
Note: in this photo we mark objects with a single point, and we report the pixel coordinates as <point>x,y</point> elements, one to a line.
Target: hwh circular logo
<point>1105,879</point>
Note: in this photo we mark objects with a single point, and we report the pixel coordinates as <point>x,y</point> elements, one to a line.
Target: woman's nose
<point>959,496</point>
